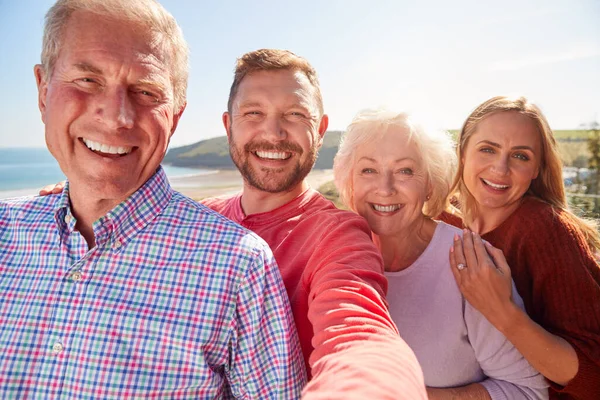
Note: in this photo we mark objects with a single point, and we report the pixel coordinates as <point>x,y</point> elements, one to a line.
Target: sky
<point>438,59</point>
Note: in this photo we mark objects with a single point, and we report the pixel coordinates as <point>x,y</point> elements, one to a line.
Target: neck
<point>401,251</point>
<point>255,201</point>
<point>487,220</point>
<point>87,210</point>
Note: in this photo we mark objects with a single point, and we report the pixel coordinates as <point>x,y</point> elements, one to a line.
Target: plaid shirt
<point>174,301</point>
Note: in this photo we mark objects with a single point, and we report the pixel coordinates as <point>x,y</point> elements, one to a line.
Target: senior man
<point>120,287</point>
<point>332,271</point>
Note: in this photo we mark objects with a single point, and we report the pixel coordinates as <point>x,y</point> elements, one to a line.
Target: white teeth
<point>272,155</point>
<point>103,148</point>
<point>390,208</point>
<point>495,186</point>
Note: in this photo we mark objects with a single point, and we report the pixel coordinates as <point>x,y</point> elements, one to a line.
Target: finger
<point>58,188</point>
<point>459,256</point>
<point>499,260</point>
<point>472,262</point>
<point>46,190</point>
<point>480,251</point>
<point>453,263</point>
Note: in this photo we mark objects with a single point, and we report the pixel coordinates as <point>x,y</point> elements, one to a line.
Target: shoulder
<point>186,214</point>
<point>27,208</point>
<point>538,218</point>
<point>218,203</point>
<point>451,219</point>
<point>332,220</point>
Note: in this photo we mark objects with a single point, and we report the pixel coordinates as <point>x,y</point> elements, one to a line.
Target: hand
<point>52,189</point>
<point>485,282</point>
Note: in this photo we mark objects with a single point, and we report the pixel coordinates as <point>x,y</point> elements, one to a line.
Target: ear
<point>429,191</point>
<point>42,86</point>
<point>323,125</point>
<point>323,128</point>
<point>537,172</point>
<point>226,118</point>
<point>176,119</point>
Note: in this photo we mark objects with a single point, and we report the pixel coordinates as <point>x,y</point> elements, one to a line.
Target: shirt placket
<point>60,345</point>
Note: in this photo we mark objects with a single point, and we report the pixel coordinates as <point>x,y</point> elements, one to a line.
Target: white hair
<point>148,14</point>
<point>436,149</point>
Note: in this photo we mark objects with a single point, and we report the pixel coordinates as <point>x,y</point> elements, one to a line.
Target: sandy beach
<point>226,182</point>
<point>201,185</point>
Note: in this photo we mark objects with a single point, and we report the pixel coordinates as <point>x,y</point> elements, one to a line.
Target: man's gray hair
<point>148,14</point>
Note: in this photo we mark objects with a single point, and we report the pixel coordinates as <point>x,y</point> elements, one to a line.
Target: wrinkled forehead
<point>111,37</point>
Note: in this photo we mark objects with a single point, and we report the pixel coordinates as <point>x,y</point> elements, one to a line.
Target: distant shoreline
<point>199,186</point>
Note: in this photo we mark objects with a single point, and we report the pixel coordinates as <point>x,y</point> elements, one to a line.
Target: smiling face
<point>107,108</point>
<point>390,184</point>
<point>274,130</point>
<point>500,160</point>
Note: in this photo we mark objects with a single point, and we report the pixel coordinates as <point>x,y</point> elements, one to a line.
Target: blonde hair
<point>148,14</point>
<point>547,187</point>
<point>436,150</point>
<point>273,60</point>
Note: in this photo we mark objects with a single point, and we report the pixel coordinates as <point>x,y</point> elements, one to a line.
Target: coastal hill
<point>214,153</point>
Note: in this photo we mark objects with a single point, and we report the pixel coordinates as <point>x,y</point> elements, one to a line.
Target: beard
<point>269,179</point>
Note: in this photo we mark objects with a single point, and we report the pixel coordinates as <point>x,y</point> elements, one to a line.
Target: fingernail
<point>465,231</point>
<point>456,237</point>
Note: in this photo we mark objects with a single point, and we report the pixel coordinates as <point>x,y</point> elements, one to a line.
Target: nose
<point>273,129</point>
<point>115,109</point>
<point>500,165</point>
<point>385,184</point>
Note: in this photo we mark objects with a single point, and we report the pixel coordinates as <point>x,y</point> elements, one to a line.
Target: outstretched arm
<point>358,353</point>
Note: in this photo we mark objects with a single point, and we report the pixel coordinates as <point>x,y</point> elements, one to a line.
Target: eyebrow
<point>512,148</point>
<point>373,160</point>
<point>85,67</point>
<point>250,104</point>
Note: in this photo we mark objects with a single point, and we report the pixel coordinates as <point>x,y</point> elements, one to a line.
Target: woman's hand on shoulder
<point>483,277</point>
<point>52,189</point>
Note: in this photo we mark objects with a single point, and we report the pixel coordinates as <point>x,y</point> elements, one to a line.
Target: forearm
<point>383,369</point>
<point>551,355</point>
<point>474,391</point>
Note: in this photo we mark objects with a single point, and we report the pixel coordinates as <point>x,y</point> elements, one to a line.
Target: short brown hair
<point>273,60</point>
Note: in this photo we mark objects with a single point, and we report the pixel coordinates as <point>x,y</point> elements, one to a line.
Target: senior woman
<point>397,175</point>
<point>510,190</point>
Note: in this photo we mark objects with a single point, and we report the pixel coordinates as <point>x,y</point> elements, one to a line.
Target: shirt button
<point>117,244</point>
<point>68,219</point>
<point>76,276</point>
<point>57,348</point>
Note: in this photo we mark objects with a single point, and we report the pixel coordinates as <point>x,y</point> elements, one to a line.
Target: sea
<point>24,171</point>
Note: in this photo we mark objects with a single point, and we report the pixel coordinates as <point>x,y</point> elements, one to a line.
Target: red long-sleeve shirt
<point>334,278</point>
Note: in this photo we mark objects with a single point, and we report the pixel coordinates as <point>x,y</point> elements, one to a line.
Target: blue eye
<point>522,156</point>
<point>406,171</point>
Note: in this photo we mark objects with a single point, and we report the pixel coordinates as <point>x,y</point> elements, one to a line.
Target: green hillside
<point>214,153</point>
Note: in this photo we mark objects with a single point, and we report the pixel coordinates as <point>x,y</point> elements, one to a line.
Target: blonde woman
<point>510,191</point>
<point>397,175</point>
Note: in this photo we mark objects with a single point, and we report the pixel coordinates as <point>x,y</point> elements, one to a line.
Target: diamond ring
<point>461,266</point>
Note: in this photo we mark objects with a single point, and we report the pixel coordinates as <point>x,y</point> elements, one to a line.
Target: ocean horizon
<point>24,171</point>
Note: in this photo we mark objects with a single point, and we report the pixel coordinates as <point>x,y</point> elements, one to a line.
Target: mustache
<point>284,146</point>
